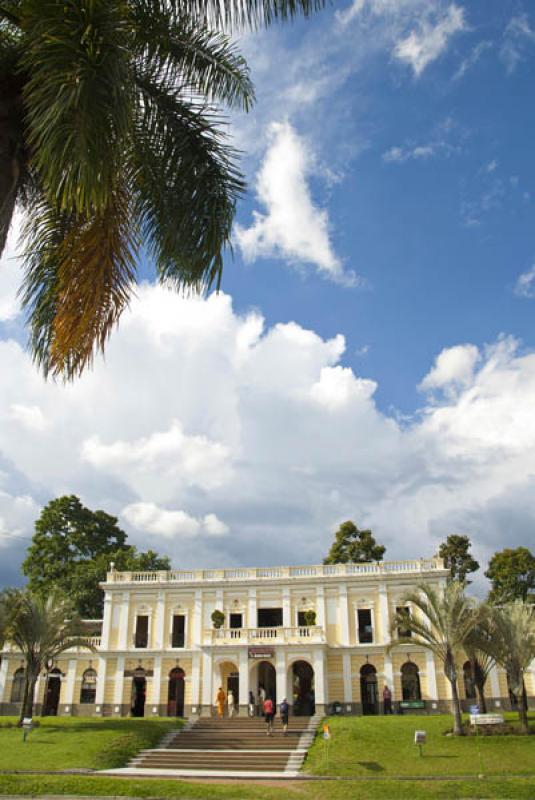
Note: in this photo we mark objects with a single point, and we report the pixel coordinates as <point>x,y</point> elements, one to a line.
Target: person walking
<point>231,704</point>
<point>269,714</point>
<point>251,705</point>
<point>261,699</point>
<point>284,711</point>
<point>220,702</point>
<point>387,700</point>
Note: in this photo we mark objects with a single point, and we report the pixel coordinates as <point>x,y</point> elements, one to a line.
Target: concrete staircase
<point>237,747</point>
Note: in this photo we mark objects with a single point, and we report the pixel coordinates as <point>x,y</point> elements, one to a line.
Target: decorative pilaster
<point>101,686</point>
<point>3,678</point>
<point>319,680</point>
<point>244,680</point>
<point>106,621</point>
<point>251,615</point>
<point>123,622</point>
<point>118,686</point>
<point>384,613</point>
<point>320,607</point>
<point>348,686</point>
<point>280,667</point>
<point>286,608</point>
<point>70,684</point>
<point>206,682</point>
<point>197,625</point>
<point>159,622</point>
<point>343,614</point>
<point>388,673</point>
<point>156,684</point>
<point>431,675</point>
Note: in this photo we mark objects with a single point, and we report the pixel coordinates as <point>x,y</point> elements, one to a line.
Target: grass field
<point>71,742</point>
<point>365,752</point>
<point>383,747</point>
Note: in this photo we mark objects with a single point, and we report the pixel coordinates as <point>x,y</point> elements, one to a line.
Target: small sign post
<point>326,738</point>
<point>420,738</point>
<point>27,725</point>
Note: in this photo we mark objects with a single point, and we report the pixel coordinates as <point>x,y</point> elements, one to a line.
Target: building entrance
<point>175,693</point>
<point>303,689</point>
<point>368,689</point>
<point>267,680</point>
<point>139,691</point>
<point>53,687</point>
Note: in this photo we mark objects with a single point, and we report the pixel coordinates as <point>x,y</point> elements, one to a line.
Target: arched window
<point>17,687</point>
<point>88,691</point>
<point>410,682</point>
<point>469,684</point>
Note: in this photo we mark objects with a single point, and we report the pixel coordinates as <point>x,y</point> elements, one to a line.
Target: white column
<point>286,608</point>
<point>252,620</point>
<point>244,680</point>
<point>384,613</point>
<point>388,673</point>
<point>494,683</point>
<point>219,599</point>
<point>196,633</point>
<point>119,684</point>
<point>70,684</point>
<point>280,667</point>
<point>195,681</point>
<point>319,678</point>
<point>106,621</point>
<point>348,684</point>
<point>3,678</point>
<point>431,675</point>
<point>157,682</point>
<point>159,623</point>
<point>320,607</point>
<point>343,615</point>
<point>101,685</point>
<point>123,622</point>
<point>207,680</point>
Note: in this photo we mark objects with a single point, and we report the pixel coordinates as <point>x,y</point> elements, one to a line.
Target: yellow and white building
<point>157,651</point>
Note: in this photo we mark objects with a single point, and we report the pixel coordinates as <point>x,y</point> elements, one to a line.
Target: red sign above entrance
<point>261,652</point>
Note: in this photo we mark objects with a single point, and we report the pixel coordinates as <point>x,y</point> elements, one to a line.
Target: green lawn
<point>383,747</point>
<point>71,742</point>
<point>519,789</point>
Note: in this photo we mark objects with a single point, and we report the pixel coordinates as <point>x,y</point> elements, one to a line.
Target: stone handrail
<point>277,635</point>
<point>375,568</point>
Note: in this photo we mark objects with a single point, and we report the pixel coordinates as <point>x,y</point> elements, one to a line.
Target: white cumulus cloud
<point>292,227</point>
<point>171,523</point>
<point>525,284</point>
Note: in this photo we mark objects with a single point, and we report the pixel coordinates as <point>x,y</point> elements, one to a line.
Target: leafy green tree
<point>510,641</point>
<point>512,575</point>
<point>111,140</point>
<point>41,629</point>
<point>457,557</point>
<point>443,623</point>
<point>71,550</point>
<point>353,546</point>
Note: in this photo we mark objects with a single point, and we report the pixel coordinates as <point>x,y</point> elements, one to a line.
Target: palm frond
<point>78,98</point>
<point>172,47</point>
<point>246,14</point>
<point>188,184</point>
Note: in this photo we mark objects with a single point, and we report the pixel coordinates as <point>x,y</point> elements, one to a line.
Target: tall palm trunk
<point>456,709</point>
<point>9,169</point>
<point>480,686</point>
<point>523,709</point>
<point>29,693</point>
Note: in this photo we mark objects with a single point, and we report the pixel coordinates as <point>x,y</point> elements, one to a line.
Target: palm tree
<point>112,143</point>
<point>41,629</point>
<point>511,643</point>
<point>443,625</point>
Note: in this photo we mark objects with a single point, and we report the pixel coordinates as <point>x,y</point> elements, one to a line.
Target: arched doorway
<point>303,698</point>
<point>229,680</point>
<point>368,689</point>
<point>17,687</point>
<point>175,693</point>
<point>469,683</point>
<point>410,682</point>
<point>139,691</point>
<point>88,689</point>
<point>267,680</point>
<point>52,690</point>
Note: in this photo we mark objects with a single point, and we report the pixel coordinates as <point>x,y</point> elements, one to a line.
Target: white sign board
<point>486,719</point>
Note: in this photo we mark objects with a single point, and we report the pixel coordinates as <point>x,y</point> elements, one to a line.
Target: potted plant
<point>218,619</point>
<point>310,617</point>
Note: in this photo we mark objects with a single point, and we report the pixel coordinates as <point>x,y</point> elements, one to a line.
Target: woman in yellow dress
<point>220,702</point>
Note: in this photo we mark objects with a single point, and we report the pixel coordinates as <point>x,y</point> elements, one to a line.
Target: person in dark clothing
<point>387,700</point>
<point>285,711</point>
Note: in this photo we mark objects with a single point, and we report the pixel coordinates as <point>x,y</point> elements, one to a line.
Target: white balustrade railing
<point>254,636</point>
<point>239,574</point>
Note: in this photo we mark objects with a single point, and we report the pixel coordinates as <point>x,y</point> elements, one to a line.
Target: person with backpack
<point>284,712</point>
<point>269,713</point>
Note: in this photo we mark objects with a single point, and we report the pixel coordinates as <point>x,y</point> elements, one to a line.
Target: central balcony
<point>300,634</point>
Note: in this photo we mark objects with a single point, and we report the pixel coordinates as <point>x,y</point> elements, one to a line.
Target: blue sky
<point>372,353</point>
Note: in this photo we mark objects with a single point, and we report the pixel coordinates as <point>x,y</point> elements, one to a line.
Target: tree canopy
<point>111,140</point>
<point>512,575</point>
<point>354,546</point>
<point>457,557</point>
<point>71,550</point>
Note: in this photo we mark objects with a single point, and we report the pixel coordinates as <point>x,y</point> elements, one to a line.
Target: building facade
<point>317,635</point>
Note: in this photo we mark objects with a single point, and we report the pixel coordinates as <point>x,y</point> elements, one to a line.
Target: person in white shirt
<point>230,703</point>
